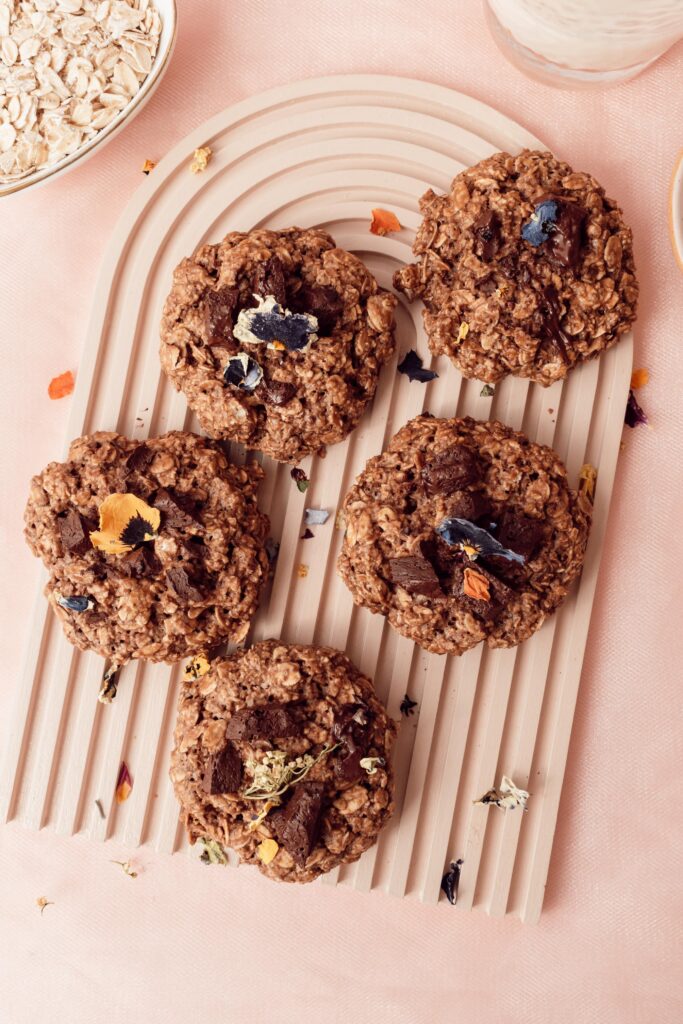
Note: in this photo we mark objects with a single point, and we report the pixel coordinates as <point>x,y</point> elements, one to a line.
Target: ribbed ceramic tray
<point>324,152</point>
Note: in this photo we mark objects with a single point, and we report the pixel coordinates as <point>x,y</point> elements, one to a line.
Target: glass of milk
<point>584,42</point>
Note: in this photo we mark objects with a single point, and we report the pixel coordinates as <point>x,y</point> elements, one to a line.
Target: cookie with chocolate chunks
<point>270,747</point>
<point>463,531</point>
<point>536,261</point>
<point>165,537</point>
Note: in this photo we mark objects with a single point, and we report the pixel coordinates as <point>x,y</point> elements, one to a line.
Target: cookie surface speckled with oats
<point>461,532</point>
<point>282,752</point>
<point>525,267</point>
<point>277,339</point>
<point>155,549</point>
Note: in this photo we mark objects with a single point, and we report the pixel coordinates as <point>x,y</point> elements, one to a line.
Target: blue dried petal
<point>315,516</point>
<point>413,369</point>
<point>269,323</point>
<point>243,372</point>
<point>456,531</point>
<point>76,604</point>
<point>538,229</point>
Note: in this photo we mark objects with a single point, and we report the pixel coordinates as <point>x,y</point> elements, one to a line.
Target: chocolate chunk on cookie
<point>264,722</point>
<point>298,825</point>
<point>450,470</point>
<point>415,574</point>
<point>224,771</point>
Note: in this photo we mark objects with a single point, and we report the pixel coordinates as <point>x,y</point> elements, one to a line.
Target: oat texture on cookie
<point>282,752</point>
<point>463,531</point>
<point>155,549</point>
<point>277,339</point>
<point>525,267</point>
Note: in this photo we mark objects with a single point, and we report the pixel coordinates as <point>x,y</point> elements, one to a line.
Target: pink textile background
<point>182,942</point>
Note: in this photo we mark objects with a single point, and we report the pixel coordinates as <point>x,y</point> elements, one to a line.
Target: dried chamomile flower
<point>274,773</point>
<point>451,881</point>
<point>384,221</point>
<point>507,796</point>
<point>370,764</point>
<point>200,159</point>
<point>43,902</point>
<point>243,372</point>
<point>474,540</point>
<point>476,585</point>
<point>407,706</point>
<point>126,866</point>
<point>213,852</point>
<point>411,366</point>
<point>267,850</point>
<point>75,604</point>
<point>278,328</point>
<point>196,668</point>
<point>299,477</point>
<point>61,386</point>
<point>587,477</point>
<point>124,784</point>
<point>125,522</point>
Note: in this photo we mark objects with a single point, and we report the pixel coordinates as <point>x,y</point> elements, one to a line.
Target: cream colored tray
<point>324,152</point>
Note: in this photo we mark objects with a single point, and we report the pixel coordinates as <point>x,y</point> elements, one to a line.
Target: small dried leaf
<point>125,522</point>
<point>267,850</point>
<point>213,852</point>
<point>196,668</point>
<point>124,784</point>
<point>60,387</point>
<point>476,585</point>
<point>299,477</point>
<point>639,378</point>
<point>384,221</point>
<point>487,391</point>
<point>200,159</point>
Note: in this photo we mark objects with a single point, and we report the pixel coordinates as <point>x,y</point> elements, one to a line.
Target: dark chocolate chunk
<point>550,323</point>
<point>442,557</point>
<point>298,825</point>
<point>416,575</point>
<point>139,459</point>
<point>520,533</point>
<point>177,510</point>
<point>451,470</point>
<point>471,505</point>
<point>264,722</point>
<point>566,238</point>
<point>270,280</point>
<point>323,302</point>
<point>220,309</point>
<point>348,769</point>
<point>279,392</point>
<point>183,583</point>
<point>74,532</point>
<point>487,235</point>
<point>224,771</point>
<point>140,562</point>
<point>350,726</point>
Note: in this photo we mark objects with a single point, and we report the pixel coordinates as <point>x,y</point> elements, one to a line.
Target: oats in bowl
<point>67,69</point>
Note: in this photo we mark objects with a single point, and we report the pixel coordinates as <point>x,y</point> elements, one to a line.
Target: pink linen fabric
<point>182,942</point>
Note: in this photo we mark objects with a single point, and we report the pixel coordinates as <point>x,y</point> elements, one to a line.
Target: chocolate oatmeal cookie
<point>525,267</point>
<point>277,339</point>
<point>461,532</point>
<point>282,753</point>
<point>155,549</point>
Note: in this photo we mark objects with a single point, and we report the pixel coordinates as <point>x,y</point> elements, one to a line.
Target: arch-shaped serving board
<point>324,152</point>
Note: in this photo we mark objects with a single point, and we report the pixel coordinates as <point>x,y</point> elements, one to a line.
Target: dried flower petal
<point>407,705</point>
<point>213,852</point>
<point>127,867</point>
<point>411,366</point>
<point>125,522</point>
<point>124,784</point>
<point>639,378</point>
<point>109,685</point>
<point>196,668</point>
<point>307,534</point>
<point>463,331</point>
<point>384,221</point>
<point>540,225</point>
<point>587,477</point>
<point>148,166</point>
<point>370,764</point>
<point>474,540</point>
<point>200,159</point>
<point>60,387</point>
<point>267,850</point>
<point>270,324</point>
<point>302,571</point>
<point>315,516</point>
<point>75,604</point>
<point>451,881</point>
<point>300,478</point>
<point>43,902</point>
<point>507,796</point>
<point>243,372</point>
<point>634,414</point>
<point>487,391</point>
<point>476,585</point>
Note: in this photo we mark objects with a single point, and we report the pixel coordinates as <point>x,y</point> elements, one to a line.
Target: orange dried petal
<point>476,585</point>
<point>124,784</point>
<point>60,387</point>
<point>384,221</point>
<point>639,378</point>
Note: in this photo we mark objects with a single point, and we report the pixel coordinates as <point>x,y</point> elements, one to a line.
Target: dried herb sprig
<point>274,774</point>
<point>43,902</point>
<point>126,866</point>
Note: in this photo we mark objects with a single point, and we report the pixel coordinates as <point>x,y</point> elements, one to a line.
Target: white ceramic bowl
<point>676,210</point>
<point>169,18</point>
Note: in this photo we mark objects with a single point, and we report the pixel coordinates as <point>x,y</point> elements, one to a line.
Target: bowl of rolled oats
<point>72,74</point>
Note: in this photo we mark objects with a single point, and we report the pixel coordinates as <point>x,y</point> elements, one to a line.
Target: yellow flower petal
<point>125,521</point>
<point>266,850</point>
<point>196,668</point>
<point>464,330</point>
<point>639,378</point>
